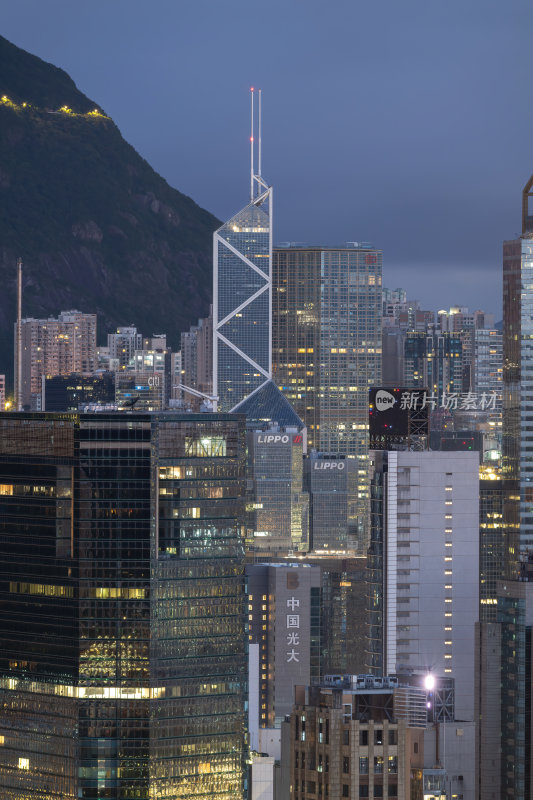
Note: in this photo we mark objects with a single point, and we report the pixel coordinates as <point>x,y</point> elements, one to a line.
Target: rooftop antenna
<point>259,151</point>
<point>252,146</point>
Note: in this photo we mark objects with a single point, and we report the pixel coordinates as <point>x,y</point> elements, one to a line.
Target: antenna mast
<point>252,146</point>
<point>259,151</point>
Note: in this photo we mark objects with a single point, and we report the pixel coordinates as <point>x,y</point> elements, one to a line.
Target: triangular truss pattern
<point>242,300</point>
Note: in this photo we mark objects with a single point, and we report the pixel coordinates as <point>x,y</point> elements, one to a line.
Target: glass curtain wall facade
<point>326,346</point>
<point>517,472</point>
<point>242,305</point>
<point>122,607</point>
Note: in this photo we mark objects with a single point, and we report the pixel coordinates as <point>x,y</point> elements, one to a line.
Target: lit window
<point>447,655</point>
<point>448,558</point>
<point>448,628</point>
<point>447,670</point>
<point>24,763</point>
<point>447,613</point>
<point>448,572</point>
<point>447,544</point>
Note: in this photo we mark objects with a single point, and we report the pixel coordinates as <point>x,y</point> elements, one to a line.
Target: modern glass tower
<point>122,607</point>
<point>242,293</point>
<point>326,350</point>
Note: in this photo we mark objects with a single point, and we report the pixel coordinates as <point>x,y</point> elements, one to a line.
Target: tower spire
<point>259,127</point>
<point>252,145</point>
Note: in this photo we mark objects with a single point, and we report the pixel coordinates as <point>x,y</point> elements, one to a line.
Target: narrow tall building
<point>514,610</point>
<point>122,606</point>
<point>242,293</point>
<point>424,578</point>
<point>326,349</point>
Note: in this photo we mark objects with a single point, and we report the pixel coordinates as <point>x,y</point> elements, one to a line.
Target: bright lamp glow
<point>429,682</point>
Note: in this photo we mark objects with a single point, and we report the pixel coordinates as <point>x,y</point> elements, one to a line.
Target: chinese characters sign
<point>293,632</point>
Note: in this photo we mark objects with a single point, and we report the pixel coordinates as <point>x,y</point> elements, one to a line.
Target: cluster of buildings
<point>288,561</point>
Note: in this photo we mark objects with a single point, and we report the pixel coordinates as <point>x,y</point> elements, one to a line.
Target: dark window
<point>415,747</point>
<point>346,737</point>
<point>378,736</point>
<point>363,765</point>
<point>393,790</point>
<point>345,790</point>
<point>345,764</point>
<point>378,790</point>
<point>363,790</point>
<point>363,738</point>
<point>392,737</point>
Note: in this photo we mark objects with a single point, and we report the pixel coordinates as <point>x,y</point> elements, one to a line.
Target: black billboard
<point>395,415</point>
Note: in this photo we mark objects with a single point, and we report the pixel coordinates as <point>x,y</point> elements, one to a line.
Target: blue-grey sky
<point>407,123</point>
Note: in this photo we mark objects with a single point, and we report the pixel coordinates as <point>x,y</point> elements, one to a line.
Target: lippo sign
<point>273,438</point>
<point>279,438</point>
<point>338,465</point>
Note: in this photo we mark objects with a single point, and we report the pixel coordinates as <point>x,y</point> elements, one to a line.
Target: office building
<point>197,359</point>
<point>487,368</point>
<point>357,736</point>
<point>242,293</point>
<point>424,568</point>
<point>122,345</point>
<point>74,392</point>
<point>327,340</point>
<point>330,480</point>
<point>284,624</point>
<point>434,361</point>
<point>144,390</point>
<point>54,347</point>
<point>326,348</point>
<point>122,606</point>
<point>342,611</point>
<point>517,474</point>
<point>278,505</point>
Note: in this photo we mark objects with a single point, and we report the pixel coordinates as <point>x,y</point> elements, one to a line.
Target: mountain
<point>96,227</point>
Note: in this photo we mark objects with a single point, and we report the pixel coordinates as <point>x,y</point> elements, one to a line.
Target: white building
<point>430,569</point>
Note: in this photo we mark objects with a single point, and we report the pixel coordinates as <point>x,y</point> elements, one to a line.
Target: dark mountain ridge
<point>97,228</point>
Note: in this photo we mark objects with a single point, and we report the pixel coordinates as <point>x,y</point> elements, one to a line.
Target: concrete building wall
<point>432,567</point>
<point>284,618</point>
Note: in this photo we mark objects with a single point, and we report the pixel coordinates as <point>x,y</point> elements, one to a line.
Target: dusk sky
<point>406,124</point>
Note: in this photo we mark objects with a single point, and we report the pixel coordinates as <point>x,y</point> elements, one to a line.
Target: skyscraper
<point>242,292</point>
<point>514,615</point>
<point>424,577</point>
<point>326,347</point>
<point>122,606</point>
